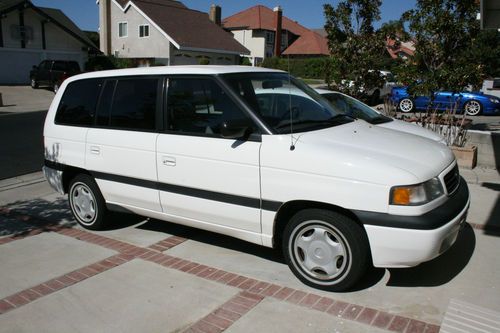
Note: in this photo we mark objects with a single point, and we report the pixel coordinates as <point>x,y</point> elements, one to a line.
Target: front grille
<point>452,180</point>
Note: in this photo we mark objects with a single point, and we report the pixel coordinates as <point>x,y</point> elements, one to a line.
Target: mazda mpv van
<point>194,145</point>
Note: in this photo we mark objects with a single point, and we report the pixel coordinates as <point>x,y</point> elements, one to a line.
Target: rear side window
<point>78,104</point>
<point>134,104</point>
<point>59,66</point>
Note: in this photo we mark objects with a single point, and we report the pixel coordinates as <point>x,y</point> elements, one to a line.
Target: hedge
<point>307,68</point>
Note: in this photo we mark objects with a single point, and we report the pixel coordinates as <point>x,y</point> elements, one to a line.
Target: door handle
<point>95,150</point>
<point>168,160</point>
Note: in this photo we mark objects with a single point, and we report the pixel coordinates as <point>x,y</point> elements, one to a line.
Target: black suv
<point>52,73</point>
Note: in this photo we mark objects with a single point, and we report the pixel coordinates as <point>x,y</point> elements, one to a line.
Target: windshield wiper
<point>335,120</point>
<point>380,120</point>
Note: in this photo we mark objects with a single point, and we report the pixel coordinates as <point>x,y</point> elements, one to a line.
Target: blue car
<point>472,103</point>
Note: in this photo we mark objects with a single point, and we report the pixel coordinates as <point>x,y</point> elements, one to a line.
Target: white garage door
<point>15,66</point>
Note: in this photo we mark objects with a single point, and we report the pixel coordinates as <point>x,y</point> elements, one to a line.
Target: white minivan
<point>194,145</point>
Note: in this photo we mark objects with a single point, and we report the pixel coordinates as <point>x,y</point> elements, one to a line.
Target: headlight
<point>414,195</point>
<point>494,100</point>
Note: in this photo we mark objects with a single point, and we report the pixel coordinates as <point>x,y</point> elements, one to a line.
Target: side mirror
<point>35,67</point>
<point>233,131</point>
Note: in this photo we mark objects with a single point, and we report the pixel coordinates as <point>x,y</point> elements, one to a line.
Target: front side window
<point>78,104</point>
<point>201,106</point>
<point>122,29</point>
<point>283,102</point>
<point>144,30</point>
<point>134,104</point>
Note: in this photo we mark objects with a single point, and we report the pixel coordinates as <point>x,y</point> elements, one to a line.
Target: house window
<point>269,37</point>
<point>144,30</point>
<point>122,29</point>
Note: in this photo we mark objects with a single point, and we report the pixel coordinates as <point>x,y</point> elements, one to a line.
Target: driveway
<point>18,99</point>
<point>148,275</point>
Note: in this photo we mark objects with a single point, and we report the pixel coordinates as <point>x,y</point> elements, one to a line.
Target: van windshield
<point>283,101</point>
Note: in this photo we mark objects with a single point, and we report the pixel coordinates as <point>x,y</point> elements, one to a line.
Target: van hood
<point>365,152</point>
<point>403,126</point>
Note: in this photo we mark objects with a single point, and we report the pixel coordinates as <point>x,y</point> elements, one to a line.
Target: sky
<point>309,13</point>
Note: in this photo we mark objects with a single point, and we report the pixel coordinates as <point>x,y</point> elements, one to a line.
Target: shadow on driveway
<point>433,273</point>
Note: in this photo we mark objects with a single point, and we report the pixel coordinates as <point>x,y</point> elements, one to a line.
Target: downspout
<point>1,32</point>
<point>44,41</point>
<point>21,28</point>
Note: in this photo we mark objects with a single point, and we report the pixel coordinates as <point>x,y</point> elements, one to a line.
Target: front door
<point>203,176</point>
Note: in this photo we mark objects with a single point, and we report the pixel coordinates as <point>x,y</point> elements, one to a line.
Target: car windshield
<point>354,108</point>
<point>283,101</point>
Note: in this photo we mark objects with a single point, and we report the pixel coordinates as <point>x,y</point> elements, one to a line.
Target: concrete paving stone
<point>271,315</point>
<point>27,262</point>
<point>420,293</point>
<point>137,296</point>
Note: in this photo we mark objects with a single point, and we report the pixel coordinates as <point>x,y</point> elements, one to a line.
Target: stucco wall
<point>254,42</point>
<point>133,46</point>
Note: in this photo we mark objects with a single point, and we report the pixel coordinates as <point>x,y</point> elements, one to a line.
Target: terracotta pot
<point>466,156</point>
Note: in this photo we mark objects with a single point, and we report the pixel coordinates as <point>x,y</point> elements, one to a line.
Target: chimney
<point>105,26</point>
<point>215,14</point>
<point>278,14</point>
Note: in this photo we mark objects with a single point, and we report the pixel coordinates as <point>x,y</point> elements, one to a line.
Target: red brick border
<point>252,289</point>
<point>227,314</point>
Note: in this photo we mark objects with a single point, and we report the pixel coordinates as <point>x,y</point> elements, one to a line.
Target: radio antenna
<point>292,146</point>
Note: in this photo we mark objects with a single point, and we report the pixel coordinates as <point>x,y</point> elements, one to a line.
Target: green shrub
<point>308,68</point>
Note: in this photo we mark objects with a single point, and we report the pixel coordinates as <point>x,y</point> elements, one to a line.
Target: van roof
<point>163,70</point>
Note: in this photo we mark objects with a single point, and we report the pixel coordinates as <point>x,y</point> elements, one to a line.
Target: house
<point>399,49</point>
<point>30,34</point>
<point>165,32</point>
<point>266,33</point>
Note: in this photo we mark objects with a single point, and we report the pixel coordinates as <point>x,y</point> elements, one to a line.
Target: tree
<point>444,32</point>
<point>356,48</point>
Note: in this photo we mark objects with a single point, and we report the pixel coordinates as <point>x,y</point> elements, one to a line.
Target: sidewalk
<point>148,275</point>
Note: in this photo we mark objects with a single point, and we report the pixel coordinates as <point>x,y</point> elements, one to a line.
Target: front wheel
<point>406,105</point>
<point>87,203</point>
<point>473,108</point>
<point>34,83</point>
<point>325,249</point>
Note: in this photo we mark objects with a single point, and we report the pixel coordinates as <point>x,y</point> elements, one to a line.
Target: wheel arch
<point>290,208</point>
<point>69,173</point>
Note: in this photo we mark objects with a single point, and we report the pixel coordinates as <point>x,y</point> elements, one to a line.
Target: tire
<point>325,235</point>
<point>34,83</point>
<point>87,203</point>
<point>55,88</point>
<point>406,105</point>
<point>473,108</point>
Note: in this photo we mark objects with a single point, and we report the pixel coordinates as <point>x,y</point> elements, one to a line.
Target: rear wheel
<point>325,249</point>
<point>406,105</point>
<point>87,203</point>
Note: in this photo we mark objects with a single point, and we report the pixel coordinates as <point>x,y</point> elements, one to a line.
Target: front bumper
<point>406,241</point>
